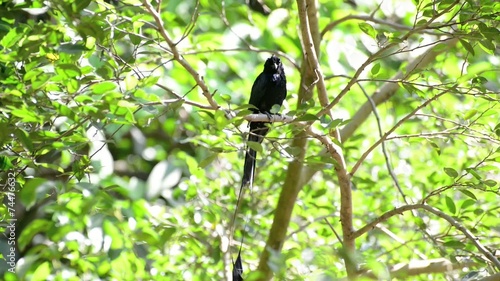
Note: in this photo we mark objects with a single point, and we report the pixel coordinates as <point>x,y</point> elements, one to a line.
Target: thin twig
<point>367,152</point>
<point>333,230</point>
<point>438,213</point>
<point>376,55</point>
<point>177,56</point>
<point>384,151</point>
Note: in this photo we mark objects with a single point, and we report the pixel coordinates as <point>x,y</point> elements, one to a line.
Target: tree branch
<point>345,197</point>
<point>465,231</point>
<point>494,277</point>
<point>291,186</point>
<point>384,151</point>
<point>309,28</point>
<point>400,122</point>
<point>378,54</point>
<point>364,18</point>
<point>177,56</point>
<point>267,118</point>
<point>412,268</point>
<point>438,213</point>
<point>389,89</point>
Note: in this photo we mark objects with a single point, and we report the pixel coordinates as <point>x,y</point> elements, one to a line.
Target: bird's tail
<point>257,132</point>
<point>249,167</point>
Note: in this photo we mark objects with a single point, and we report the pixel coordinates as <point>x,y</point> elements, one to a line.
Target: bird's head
<point>273,65</point>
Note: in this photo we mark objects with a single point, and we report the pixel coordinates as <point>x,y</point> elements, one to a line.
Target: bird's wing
<point>258,90</point>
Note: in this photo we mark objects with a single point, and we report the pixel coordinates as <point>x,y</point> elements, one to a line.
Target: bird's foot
<point>269,116</point>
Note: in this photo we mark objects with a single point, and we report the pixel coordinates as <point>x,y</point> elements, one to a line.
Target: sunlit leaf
<point>468,193</point>
<point>450,205</point>
<point>467,46</point>
<point>255,146</point>
<point>5,163</point>
<point>375,69</point>
<point>103,87</point>
<point>368,29</point>
<point>451,172</point>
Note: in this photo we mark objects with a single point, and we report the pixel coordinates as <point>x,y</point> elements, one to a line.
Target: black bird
<point>259,6</point>
<point>268,89</point>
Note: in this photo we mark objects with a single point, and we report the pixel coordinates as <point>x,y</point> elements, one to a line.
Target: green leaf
<point>136,40</point>
<point>244,112</point>
<point>35,227</point>
<point>470,113</point>
<point>490,183</point>
<point>24,138</point>
<point>454,244</point>
<point>208,160</point>
<point>126,104</point>
<point>114,233</point>
<point>488,46</point>
<point>497,131</point>
<point>408,87</point>
<point>220,120</point>
<point>130,82</point>
<point>103,87</point>
<point>32,74</point>
<point>72,85</point>
<point>225,97</point>
<point>150,81</point>
<point>275,109</point>
<point>5,163</point>
<point>450,205</point>
<point>436,147</point>
<point>473,173</point>
<point>42,272</point>
<point>9,276</point>
<point>64,110</point>
<point>34,190</point>
<point>467,46</point>
<point>307,117</point>
<point>78,6</point>
<point>468,193</point>
<point>40,81</point>
<point>12,37</point>
<point>368,29</point>
<point>467,203</point>
<point>255,146</point>
<point>68,70</point>
<point>451,172</point>
<point>420,222</point>
<point>166,233</point>
<point>375,69</point>
<point>479,80</point>
<point>72,48</point>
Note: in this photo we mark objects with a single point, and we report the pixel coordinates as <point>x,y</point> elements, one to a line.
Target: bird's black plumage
<point>238,268</point>
<point>268,90</point>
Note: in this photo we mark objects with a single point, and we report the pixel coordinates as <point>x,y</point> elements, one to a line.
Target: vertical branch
<point>292,184</point>
<point>309,28</point>
<point>345,200</point>
<point>308,17</point>
<point>311,76</point>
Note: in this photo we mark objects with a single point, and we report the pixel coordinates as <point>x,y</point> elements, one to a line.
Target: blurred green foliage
<point>124,171</point>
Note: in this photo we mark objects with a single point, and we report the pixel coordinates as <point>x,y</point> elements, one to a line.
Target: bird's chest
<point>274,94</point>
